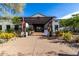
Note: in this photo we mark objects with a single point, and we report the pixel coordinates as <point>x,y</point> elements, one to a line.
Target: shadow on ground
<point>61,54</point>
<point>61,41</point>
<point>72,44</point>
<point>75,45</point>
<point>49,38</point>
<point>53,53</point>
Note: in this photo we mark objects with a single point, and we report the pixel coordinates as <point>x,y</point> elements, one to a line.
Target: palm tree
<point>11,8</point>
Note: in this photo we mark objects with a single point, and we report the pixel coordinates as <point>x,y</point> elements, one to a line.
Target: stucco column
<point>53,27</point>
<point>3,27</point>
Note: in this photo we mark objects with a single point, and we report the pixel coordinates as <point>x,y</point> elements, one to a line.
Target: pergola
<point>38,20</point>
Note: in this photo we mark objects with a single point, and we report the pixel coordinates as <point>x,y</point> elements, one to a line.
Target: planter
<point>22,34</point>
<point>26,33</point>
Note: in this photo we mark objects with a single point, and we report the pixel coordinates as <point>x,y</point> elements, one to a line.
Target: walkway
<point>34,46</point>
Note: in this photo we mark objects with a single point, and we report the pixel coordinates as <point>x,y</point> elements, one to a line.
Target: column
<point>53,27</point>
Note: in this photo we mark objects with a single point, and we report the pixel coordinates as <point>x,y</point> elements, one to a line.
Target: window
<point>16,27</point>
<point>0,27</point>
<point>7,27</point>
<point>56,27</point>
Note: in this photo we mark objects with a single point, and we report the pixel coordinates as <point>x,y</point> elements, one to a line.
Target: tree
<point>72,22</point>
<point>5,8</point>
<point>63,22</point>
<point>16,20</point>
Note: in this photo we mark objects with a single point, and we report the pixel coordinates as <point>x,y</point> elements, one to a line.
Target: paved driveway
<point>34,46</point>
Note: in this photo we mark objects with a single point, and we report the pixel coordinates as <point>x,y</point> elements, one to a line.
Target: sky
<point>59,10</point>
<point>50,9</point>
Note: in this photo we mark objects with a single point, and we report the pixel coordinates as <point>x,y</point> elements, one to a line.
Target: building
<point>6,23</point>
<point>39,22</point>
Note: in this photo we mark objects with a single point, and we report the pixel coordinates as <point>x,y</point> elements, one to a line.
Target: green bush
<point>59,33</point>
<point>67,36</point>
<point>65,31</point>
<point>0,31</point>
<point>9,30</point>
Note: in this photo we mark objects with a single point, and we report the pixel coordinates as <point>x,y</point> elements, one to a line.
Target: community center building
<point>38,22</point>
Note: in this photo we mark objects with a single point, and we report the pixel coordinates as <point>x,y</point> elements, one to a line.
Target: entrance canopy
<point>38,20</point>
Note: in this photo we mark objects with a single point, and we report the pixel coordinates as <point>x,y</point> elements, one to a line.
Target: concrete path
<point>34,46</point>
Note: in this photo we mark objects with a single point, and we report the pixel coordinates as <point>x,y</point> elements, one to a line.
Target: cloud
<point>69,15</point>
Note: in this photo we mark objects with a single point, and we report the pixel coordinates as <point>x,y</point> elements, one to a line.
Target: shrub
<point>67,36</point>
<point>9,30</point>
<point>7,35</point>
<point>17,33</point>
<point>65,31</point>
<point>76,39</point>
<point>59,33</point>
<point>0,31</point>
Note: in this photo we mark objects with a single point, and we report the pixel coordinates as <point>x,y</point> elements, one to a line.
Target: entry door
<point>39,28</point>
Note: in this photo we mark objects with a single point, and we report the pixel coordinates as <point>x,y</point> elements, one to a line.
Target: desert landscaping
<point>36,46</point>
<point>38,31</point>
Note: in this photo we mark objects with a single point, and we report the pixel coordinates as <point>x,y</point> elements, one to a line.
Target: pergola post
<point>23,27</point>
<point>53,27</point>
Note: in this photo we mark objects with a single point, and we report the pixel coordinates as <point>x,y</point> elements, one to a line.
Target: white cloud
<point>69,15</point>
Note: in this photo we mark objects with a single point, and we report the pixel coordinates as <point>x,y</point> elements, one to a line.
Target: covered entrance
<point>41,23</point>
<point>38,23</point>
<point>38,27</point>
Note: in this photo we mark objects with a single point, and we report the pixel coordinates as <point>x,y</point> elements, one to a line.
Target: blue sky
<point>50,9</point>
